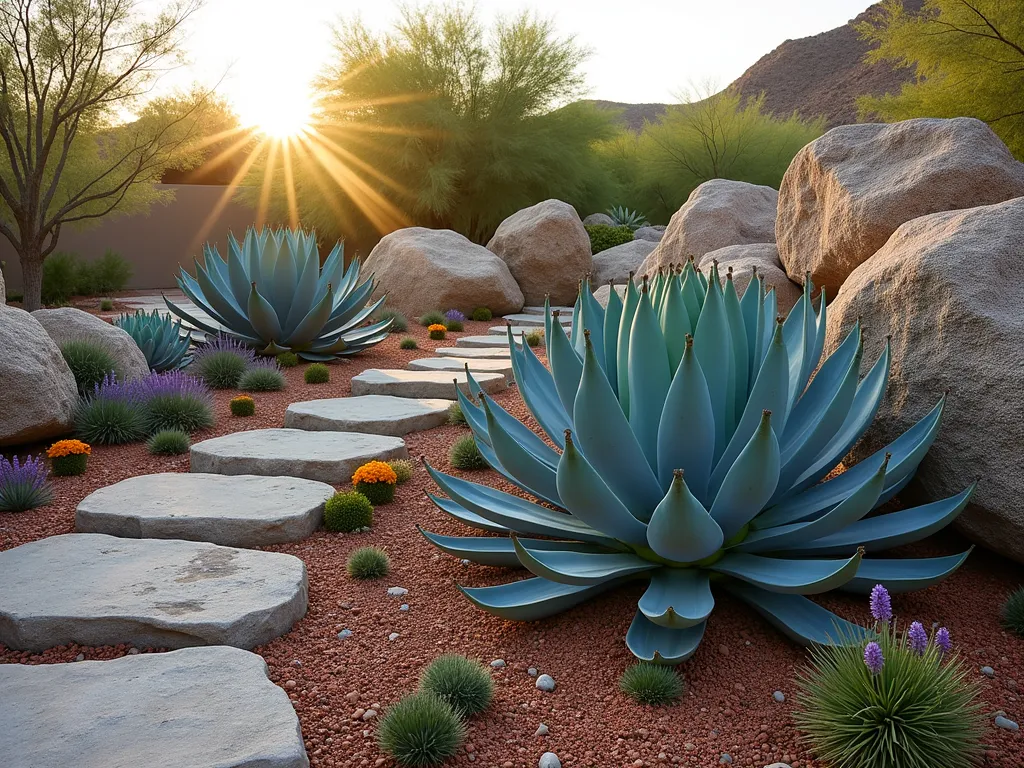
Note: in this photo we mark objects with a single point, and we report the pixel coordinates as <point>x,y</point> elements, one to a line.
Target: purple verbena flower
<point>943,641</point>
<point>873,658</point>
<point>454,314</point>
<point>918,638</point>
<point>881,605</point>
<point>23,485</point>
<point>224,343</point>
<point>171,383</point>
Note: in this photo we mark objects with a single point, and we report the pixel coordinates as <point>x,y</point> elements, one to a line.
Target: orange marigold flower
<point>242,398</point>
<point>68,448</point>
<point>436,327</point>
<point>375,472</point>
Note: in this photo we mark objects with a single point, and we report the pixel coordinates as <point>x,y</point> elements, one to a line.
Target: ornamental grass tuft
<point>376,480</point>
<point>453,320</point>
<point>455,415</point>
<point>408,343</point>
<point>399,322</point>
<point>89,364</point>
<point>437,331</point>
<point>222,362</point>
<point>174,400</point>
<point>464,684</point>
<point>169,442</point>
<point>111,415</point>
<point>433,317</point>
<point>242,406</point>
<point>317,373</point>
<point>24,484</point>
<point>535,338</point>
<point>421,730</point>
<point>68,458</point>
<point>287,359</point>
<point>651,684</point>
<point>403,469</point>
<point>263,376</point>
<point>348,511</point>
<point>465,454</point>
<point>368,563</point>
<point>1013,612</point>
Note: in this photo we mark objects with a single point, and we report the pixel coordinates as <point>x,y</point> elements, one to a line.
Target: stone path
<point>502,366</point>
<point>536,321</point>
<point>491,340</point>
<point>432,384</point>
<point>236,511</point>
<point>478,353</point>
<point>373,414</point>
<point>330,457</point>
<point>193,708</point>
<point>539,310</point>
<point>92,589</point>
<point>518,330</point>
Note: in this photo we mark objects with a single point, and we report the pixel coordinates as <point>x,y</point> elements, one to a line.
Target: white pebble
<point>545,683</point>
<point>1006,723</point>
<point>549,760</point>
<point>465,563</point>
<point>532,671</point>
<point>397,591</point>
<point>779,696</point>
<point>344,633</point>
<point>369,714</point>
<point>542,730</point>
<point>393,636</point>
<point>403,607</point>
<point>498,663</point>
<point>988,671</point>
<point>725,759</point>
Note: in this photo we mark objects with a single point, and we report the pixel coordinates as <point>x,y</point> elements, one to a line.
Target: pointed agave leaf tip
<point>568,437</point>
<point>586,333</point>
<point>728,274</point>
<point>554,313</point>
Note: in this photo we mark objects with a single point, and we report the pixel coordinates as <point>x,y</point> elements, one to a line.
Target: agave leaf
<point>222,309</point>
<point>738,333</point>
<point>711,344</point>
<point>798,618</point>
<point>632,300</point>
<point>534,598</point>
<point>580,568</point>
<point>693,294</point>
<point>675,323</point>
<point>238,278</point>
<point>190,319</point>
<point>522,434</point>
<point>286,278</point>
<point>681,529</point>
<point>688,415</point>
<point>499,551</point>
<point>801,577</point>
<point>662,645</point>
<point>591,318</point>
<point>311,325</point>
<point>305,290</point>
<point>612,318</point>
<point>540,399</point>
<point>577,327</point>
<point>678,598</point>
<point>566,367</point>
<point>750,308</point>
<point>530,471</point>
<point>649,378</point>
<point>904,575</point>
<point>750,481</point>
<point>263,317</point>
<point>463,515</point>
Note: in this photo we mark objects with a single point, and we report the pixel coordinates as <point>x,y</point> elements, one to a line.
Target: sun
<point>283,115</point>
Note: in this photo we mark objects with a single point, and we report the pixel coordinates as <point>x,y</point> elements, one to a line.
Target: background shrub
<point>106,306</point>
<point>408,343</point>
<point>455,326</point>
<point>651,683</point>
<point>263,377</point>
<point>1013,612</point>
<point>317,373</point>
<point>89,364</point>
<point>420,729</point>
<point>101,420</point>
<point>464,684</point>
<point>368,563</point>
<point>403,469</point>
<point>434,317</point>
<point>437,331</point>
<point>535,338</point>
<point>348,511</point>
<point>287,359</point>
<point>603,236</point>
<point>243,405</point>
<point>399,322</point>
<point>464,454</point>
<point>60,277</point>
<point>168,442</point>
<point>108,274</point>
<point>482,314</point>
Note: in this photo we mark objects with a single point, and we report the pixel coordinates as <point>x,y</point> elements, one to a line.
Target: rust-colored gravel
<point>727,706</point>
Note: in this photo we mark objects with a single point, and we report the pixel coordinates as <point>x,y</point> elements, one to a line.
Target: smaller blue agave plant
<point>624,217</point>
<point>164,342</point>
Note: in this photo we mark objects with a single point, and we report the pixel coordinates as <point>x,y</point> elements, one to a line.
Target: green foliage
<point>1013,612</point>
<point>464,684</point>
<point>421,730</point>
<point>399,322</point>
<point>455,326</point>
<point>103,421</point>
<point>920,711</point>
<point>163,341</point>
<point>969,59</point>
<point>347,512</point>
<point>482,314</point>
<point>403,469</point>
<point>622,216</point>
<point>434,317</point>
<point>242,406</point>
<point>603,237</point>
<point>465,454</point>
<point>88,362</point>
<point>287,359</point>
<point>368,563</point>
<point>168,442</point>
<point>180,411</point>
<point>377,493</point>
<point>60,278</point>
<point>72,465</point>
<point>108,274</point>
<point>455,415</point>
<point>409,343</point>
<point>437,334</point>
<point>106,305</point>
<point>651,684</point>
<point>535,338</point>
<point>317,373</point>
<point>262,379</point>
<point>220,370</point>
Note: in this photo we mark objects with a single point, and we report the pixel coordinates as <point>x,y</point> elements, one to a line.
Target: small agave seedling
<point>272,295</point>
<point>692,452</point>
<point>624,217</point>
<point>161,340</point>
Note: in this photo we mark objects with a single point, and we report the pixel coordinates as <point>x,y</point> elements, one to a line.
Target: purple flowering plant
<point>454,314</point>
<point>24,484</point>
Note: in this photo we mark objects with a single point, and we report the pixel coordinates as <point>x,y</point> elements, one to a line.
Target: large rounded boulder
<point>743,260</point>
<point>845,193</point>
<point>547,250</point>
<point>38,389</point>
<point>718,213</point>
<point>947,289</point>
<point>614,264</point>
<point>429,269</point>
<point>69,324</point>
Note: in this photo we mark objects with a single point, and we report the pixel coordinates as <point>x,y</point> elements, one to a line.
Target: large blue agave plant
<point>693,451</point>
<point>272,295</point>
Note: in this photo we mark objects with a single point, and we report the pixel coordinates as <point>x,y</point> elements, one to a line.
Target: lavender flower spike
<point>943,641</point>
<point>873,658</point>
<point>918,638</point>
<point>881,605</point>
<point>454,314</point>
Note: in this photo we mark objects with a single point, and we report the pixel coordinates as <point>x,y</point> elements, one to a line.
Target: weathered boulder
<point>546,249</point>
<point>39,392</point>
<point>744,259</point>
<point>603,294</point>
<point>717,213</point>
<point>426,269</point>
<point>69,324</point>
<point>617,262</point>
<point>845,193</point>
<point>3,289</point>
<point>599,219</point>
<point>652,232</point>
<point>956,327</point>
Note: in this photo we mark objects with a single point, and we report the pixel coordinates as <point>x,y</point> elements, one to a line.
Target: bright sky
<point>643,50</point>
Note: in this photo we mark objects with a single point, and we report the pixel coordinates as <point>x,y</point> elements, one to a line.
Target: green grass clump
<point>455,326</point>
<point>346,512</point>
<point>435,317</point>
<point>287,359</point>
<point>377,493</point>
<point>535,338</point>
<point>221,370</point>
<point>181,411</point>
<point>455,415</point>
<point>72,465</point>
<point>463,683</point>
<point>88,362</point>
<point>243,405</point>
<point>408,343</point>
<point>464,454</point>
<point>421,730</point>
<point>103,421</point>
<point>262,379</point>
<point>368,563</point>
<point>651,683</point>
<point>403,469</point>
<point>603,236</point>
<point>482,314</point>
<point>168,442</point>
<point>317,373</point>
<point>106,305</point>
<point>1013,612</point>
<point>399,322</point>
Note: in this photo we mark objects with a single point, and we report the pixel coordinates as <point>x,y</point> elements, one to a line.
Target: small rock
<point>344,633</point>
<point>393,636</point>
<point>542,730</point>
<point>549,760</point>
<point>80,657</point>
<point>290,684</point>
<point>725,759</point>
<point>465,563</point>
<point>345,606</point>
<point>132,651</point>
<point>545,683</point>
<point>397,591</point>
<point>403,607</point>
<point>358,713</point>
<point>352,696</point>
<point>778,765</point>
<point>1006,723</point>
<point>369,714</point>
<point>532,671</point>
<point>988,671</point>
<point>498,663</point>
<point>779,696</point>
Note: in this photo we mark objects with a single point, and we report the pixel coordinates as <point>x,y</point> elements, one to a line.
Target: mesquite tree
<point>81,137</point>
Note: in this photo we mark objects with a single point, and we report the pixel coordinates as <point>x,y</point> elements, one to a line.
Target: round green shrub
<point>69,466</point>
<point>221,370</point>
<point>434,317</point>
<point>103,421</point>
<point>437,334</point>
<point>287,359</point>
<point>317,373</point>
<point>409,343</point>
<point>106,305</point>
<point>463,683</point>
<point>535,338</point>
<point>1013,612</point>
<point>88,362</point>
<point>455,326</point>
<point>603,237</point>
<point>243,405</point>
<point>482,314</point>
<point>465,454</point>
<point>377,493</point>
<point>262,379</point>
<point>346,512</point>
<point>421,730</point>
<point>455,415</point>
<point>399,322</point>
<point>403,469</point>
<point>651,683</point>
<point>168,442</point>
<point>368,563</point>
<point>184,412</point>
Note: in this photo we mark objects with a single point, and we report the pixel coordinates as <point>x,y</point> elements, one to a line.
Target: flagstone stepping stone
<point>504,367</point>
<point>193,708</point>
<point>480,353</point>
<point>439,384</point>
<point>93,589</point>
<point>236,511</point>
<point>491,340</point>
<point>539,310</point>
<point>330,457</point>
<point>537,321</point>
<point>518,330</point>
<point>373,414</point>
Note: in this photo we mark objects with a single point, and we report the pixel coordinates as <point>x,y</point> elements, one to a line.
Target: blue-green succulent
<point>694,450</point>
<point>162,340</point>
<point>624,217</point>
<point>272,295</point>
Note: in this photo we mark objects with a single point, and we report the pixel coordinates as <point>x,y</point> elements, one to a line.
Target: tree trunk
<point>32,279</point>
